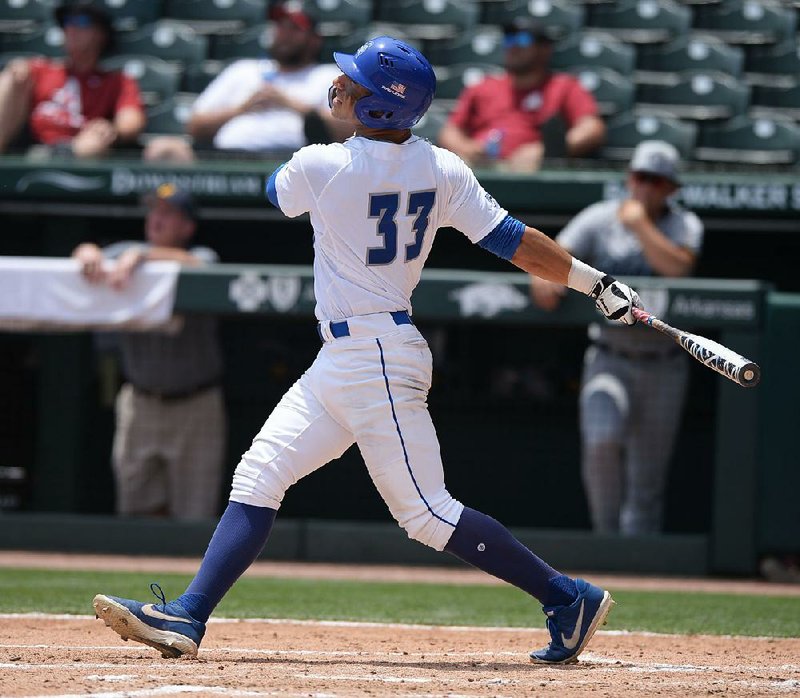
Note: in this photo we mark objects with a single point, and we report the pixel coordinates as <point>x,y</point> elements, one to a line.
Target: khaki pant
<point>168,454</point>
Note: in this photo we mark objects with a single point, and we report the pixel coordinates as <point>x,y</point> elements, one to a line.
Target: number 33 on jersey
<point>375,216</point>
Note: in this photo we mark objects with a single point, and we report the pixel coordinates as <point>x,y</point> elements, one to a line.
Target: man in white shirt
<point>271,103</point>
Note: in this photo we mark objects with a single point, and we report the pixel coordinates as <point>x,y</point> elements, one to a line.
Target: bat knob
<point>750,375</point>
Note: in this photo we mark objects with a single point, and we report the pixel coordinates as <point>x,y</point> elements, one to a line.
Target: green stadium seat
<point>166,39</point>
<point>217,16</point>
<point>663,63</point>
<point>48,41</point>
<point>429,19</point>
<point>340,16</point>
<point>696,95</point>
<point>346,43</point>
<point>559,16</point>
<point>6,58</point>
<point>778,64</point>
<point>625,131</point>
<point>128,15</point>
<point>613,92</point>
<point>198,76</point>
<point>251,43</point>
<point>431,124</point>
<point>596,49</point>
<point>482,44</point>
<point>255,43</point>
<point>24,15</point>
<point>747,21</point>
<point>451,80</point>
<point>158,80</point>
<point>641,21</point>
<point>776,101</point>
<point>398,31</point>
<point>749,141</point>
<point>170,116</point>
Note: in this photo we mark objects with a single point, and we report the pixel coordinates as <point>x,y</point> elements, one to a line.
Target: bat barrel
<point>709,353</point>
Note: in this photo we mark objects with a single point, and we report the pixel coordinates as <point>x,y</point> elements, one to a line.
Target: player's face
<point>344,97</point>
<point>167,225</point>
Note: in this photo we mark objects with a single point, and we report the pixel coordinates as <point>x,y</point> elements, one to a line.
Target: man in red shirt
<point>503,118</point>
<point>72,105</point>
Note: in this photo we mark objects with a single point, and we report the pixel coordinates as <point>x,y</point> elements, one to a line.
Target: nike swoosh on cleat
<point>150,610</point>
<point>571,642</point>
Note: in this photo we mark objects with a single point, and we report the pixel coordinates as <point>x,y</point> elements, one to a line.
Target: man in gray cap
<point>633,383</point>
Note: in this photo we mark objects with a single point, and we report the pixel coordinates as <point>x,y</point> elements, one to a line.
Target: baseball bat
<point>709,353</point>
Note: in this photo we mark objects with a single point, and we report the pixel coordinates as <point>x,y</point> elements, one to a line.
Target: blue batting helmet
<point>399,77</point>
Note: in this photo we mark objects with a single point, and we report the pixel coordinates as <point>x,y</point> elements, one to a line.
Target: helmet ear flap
<point>374,113</point>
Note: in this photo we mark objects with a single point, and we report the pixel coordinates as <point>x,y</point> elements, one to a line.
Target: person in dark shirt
<point>170,433</point>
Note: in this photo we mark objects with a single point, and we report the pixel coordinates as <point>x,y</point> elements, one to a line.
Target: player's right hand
<point>616,300</point>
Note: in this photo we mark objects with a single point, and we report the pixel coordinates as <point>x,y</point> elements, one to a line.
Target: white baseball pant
<point>369,388</point>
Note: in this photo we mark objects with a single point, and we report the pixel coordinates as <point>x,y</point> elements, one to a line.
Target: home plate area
<point>79,656</point>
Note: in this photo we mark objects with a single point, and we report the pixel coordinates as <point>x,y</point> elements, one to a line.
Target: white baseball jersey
<point>375,208</point>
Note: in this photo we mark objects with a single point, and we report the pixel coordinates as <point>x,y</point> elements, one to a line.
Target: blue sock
<point>488,545</point>
<point>240,537</point>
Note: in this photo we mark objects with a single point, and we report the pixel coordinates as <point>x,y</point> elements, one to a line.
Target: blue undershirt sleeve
<point>505,238</point>
<point>272,192</point>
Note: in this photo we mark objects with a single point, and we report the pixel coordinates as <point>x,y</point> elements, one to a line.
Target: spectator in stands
<point>633,386</point>
<point>170,432</point>
<point>516,119</point>
<point>73,106</point>
<point>275,104</point>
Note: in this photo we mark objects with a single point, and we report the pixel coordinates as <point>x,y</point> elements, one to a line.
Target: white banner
<point>51,293</point>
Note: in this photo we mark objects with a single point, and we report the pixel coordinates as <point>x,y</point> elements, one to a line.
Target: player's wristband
<point>582,277</point>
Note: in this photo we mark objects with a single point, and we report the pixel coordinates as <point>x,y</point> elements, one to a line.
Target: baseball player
<point>375,203</point>
<point>634,382</point>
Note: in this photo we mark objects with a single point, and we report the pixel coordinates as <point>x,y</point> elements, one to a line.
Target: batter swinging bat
<point>734,367</point>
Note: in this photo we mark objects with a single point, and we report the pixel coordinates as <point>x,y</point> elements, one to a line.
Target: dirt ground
<point>79,656</point>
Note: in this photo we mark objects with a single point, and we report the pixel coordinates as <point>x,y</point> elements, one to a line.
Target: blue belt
<point>342,329</point>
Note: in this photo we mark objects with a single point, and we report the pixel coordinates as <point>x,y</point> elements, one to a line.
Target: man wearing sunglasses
<point>503,120</point>
<point>633,386</point>
<point>73,106</point>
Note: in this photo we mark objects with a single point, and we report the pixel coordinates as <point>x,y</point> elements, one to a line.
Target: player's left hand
<point>616,300</point>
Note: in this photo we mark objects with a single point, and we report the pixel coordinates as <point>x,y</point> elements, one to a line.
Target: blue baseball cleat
<point>571,627</point>
<point>165,626</point>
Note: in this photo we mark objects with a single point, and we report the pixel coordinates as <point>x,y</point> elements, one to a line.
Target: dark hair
<point>540,32</point>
